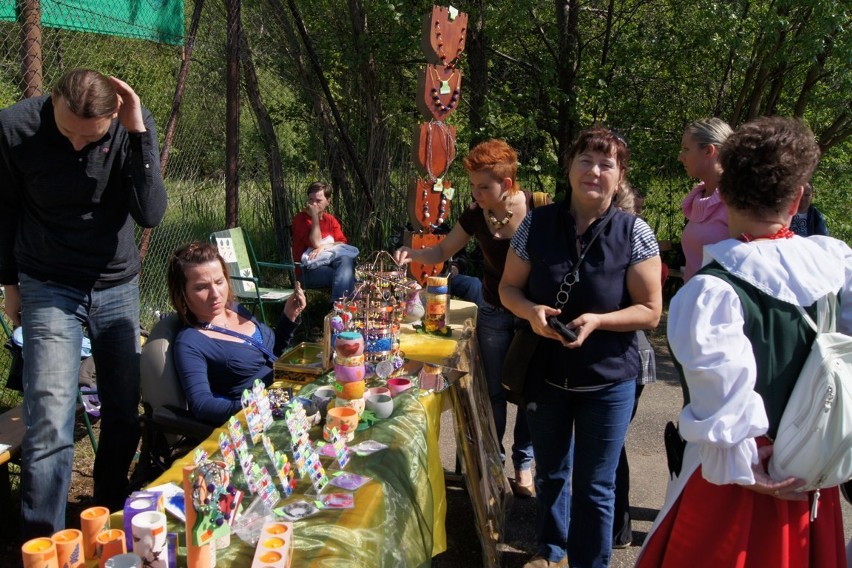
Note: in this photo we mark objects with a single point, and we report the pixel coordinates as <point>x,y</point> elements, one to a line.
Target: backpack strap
<point>540,199</point>
<point>826,314</point>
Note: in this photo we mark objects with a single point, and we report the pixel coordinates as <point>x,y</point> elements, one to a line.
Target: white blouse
<point>705,331</point>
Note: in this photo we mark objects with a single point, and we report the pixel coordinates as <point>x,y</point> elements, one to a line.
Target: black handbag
<point>675,446</point>
<point>15,378</point>
<point>517,363</point>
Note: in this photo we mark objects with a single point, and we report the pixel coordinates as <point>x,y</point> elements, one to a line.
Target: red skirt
<point>729,526</point>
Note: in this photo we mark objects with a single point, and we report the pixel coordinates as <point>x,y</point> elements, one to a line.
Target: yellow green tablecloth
<point>398,519</point>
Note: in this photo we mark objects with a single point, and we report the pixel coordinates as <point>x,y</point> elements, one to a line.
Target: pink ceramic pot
<point>398,385</point>
<point>345,374</point>
<point>375,391</point>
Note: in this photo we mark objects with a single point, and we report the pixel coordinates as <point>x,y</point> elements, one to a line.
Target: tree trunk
<point>477,82</point>
<point>567,66</point>
<point>280,219</point>
<point>839,131</point>
<point>815,73</point>
<point>367,85</point>
<point>333,156</point>
<point>232,128</point>
<point>180,86</point>
<point>349,147</point>
<point>605,53</point>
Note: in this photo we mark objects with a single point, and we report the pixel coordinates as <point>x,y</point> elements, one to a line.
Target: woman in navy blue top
<point>579,392</point>
<point>222,349</point>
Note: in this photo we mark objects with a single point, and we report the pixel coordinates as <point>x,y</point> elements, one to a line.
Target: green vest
<point>780,339</point>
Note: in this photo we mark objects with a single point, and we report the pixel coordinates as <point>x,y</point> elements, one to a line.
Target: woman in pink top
<point>706,214</point>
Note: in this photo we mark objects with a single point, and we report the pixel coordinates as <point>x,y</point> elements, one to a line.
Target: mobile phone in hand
<point>561,328</point>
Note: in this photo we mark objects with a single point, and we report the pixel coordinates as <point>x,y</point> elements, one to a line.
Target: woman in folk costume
<point>740,360</point>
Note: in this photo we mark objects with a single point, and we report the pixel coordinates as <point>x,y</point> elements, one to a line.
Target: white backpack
<point>814,439</point>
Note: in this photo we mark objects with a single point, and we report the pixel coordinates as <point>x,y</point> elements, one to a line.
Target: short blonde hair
<point>709,132</point>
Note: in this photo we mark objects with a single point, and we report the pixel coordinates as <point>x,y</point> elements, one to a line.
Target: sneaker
<point>539,562</point>
<point>616,545</point>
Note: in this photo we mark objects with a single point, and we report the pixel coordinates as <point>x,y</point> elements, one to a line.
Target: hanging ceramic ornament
<point>444,34</point>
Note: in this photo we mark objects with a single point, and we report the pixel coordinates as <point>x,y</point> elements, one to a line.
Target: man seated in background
<point>320,245</point>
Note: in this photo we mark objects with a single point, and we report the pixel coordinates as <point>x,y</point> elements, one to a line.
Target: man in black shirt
<point>78,170</point>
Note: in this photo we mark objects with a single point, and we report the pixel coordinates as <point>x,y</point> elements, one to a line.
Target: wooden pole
<point>32,78</point>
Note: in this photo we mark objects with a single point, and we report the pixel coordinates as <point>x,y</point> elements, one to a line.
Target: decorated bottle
<point>437,304</point>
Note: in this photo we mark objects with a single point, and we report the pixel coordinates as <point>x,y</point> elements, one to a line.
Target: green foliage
<point>646,68</point>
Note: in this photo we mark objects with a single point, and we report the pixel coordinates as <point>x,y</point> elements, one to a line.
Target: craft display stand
<point>434,142</point>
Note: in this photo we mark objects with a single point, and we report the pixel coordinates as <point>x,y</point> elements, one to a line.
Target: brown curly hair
<point>187,256</point>
<point>765,162</point>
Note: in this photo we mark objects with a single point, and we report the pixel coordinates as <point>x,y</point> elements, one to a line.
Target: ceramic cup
<point>344,418</point>
<point>322,396</point>
<point>69,548</point>
<point>398,385</point>
<point>344,374</point>
<point>93,521</point>
<point>349,344</point>
<point>39,553</point>
<point>353,361</point>
<point>381,405</point>
<point>373,391</point>
<point>110,543</point>
<point>356,404</point>
<point>312,412</point>
<point>149,538</point>
<point>351,390</point>
<point>129,560</point>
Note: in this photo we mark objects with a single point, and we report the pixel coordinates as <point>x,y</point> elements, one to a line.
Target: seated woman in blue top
<point>222,349</point>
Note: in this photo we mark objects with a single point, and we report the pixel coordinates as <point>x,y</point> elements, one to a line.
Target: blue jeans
<point>598,421</point>
<point>495,328</point>
<point>339,275</point>
<point>467,288</point>
<point>52,316</point>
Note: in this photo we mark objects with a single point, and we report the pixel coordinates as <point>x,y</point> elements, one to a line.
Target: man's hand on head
<point>129,106</point>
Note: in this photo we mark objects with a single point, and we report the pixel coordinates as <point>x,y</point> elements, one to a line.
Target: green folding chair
<point>247,280</point>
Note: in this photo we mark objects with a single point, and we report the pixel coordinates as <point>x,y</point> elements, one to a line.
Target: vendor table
<point>398,518</point>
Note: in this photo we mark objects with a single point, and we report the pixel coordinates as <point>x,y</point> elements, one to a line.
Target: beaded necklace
<point>441,211</point>
<point>446,138</point>
<point>445,89</point>
<point>498,224</point>
<point>441,53</point>
<point>783,233</point>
